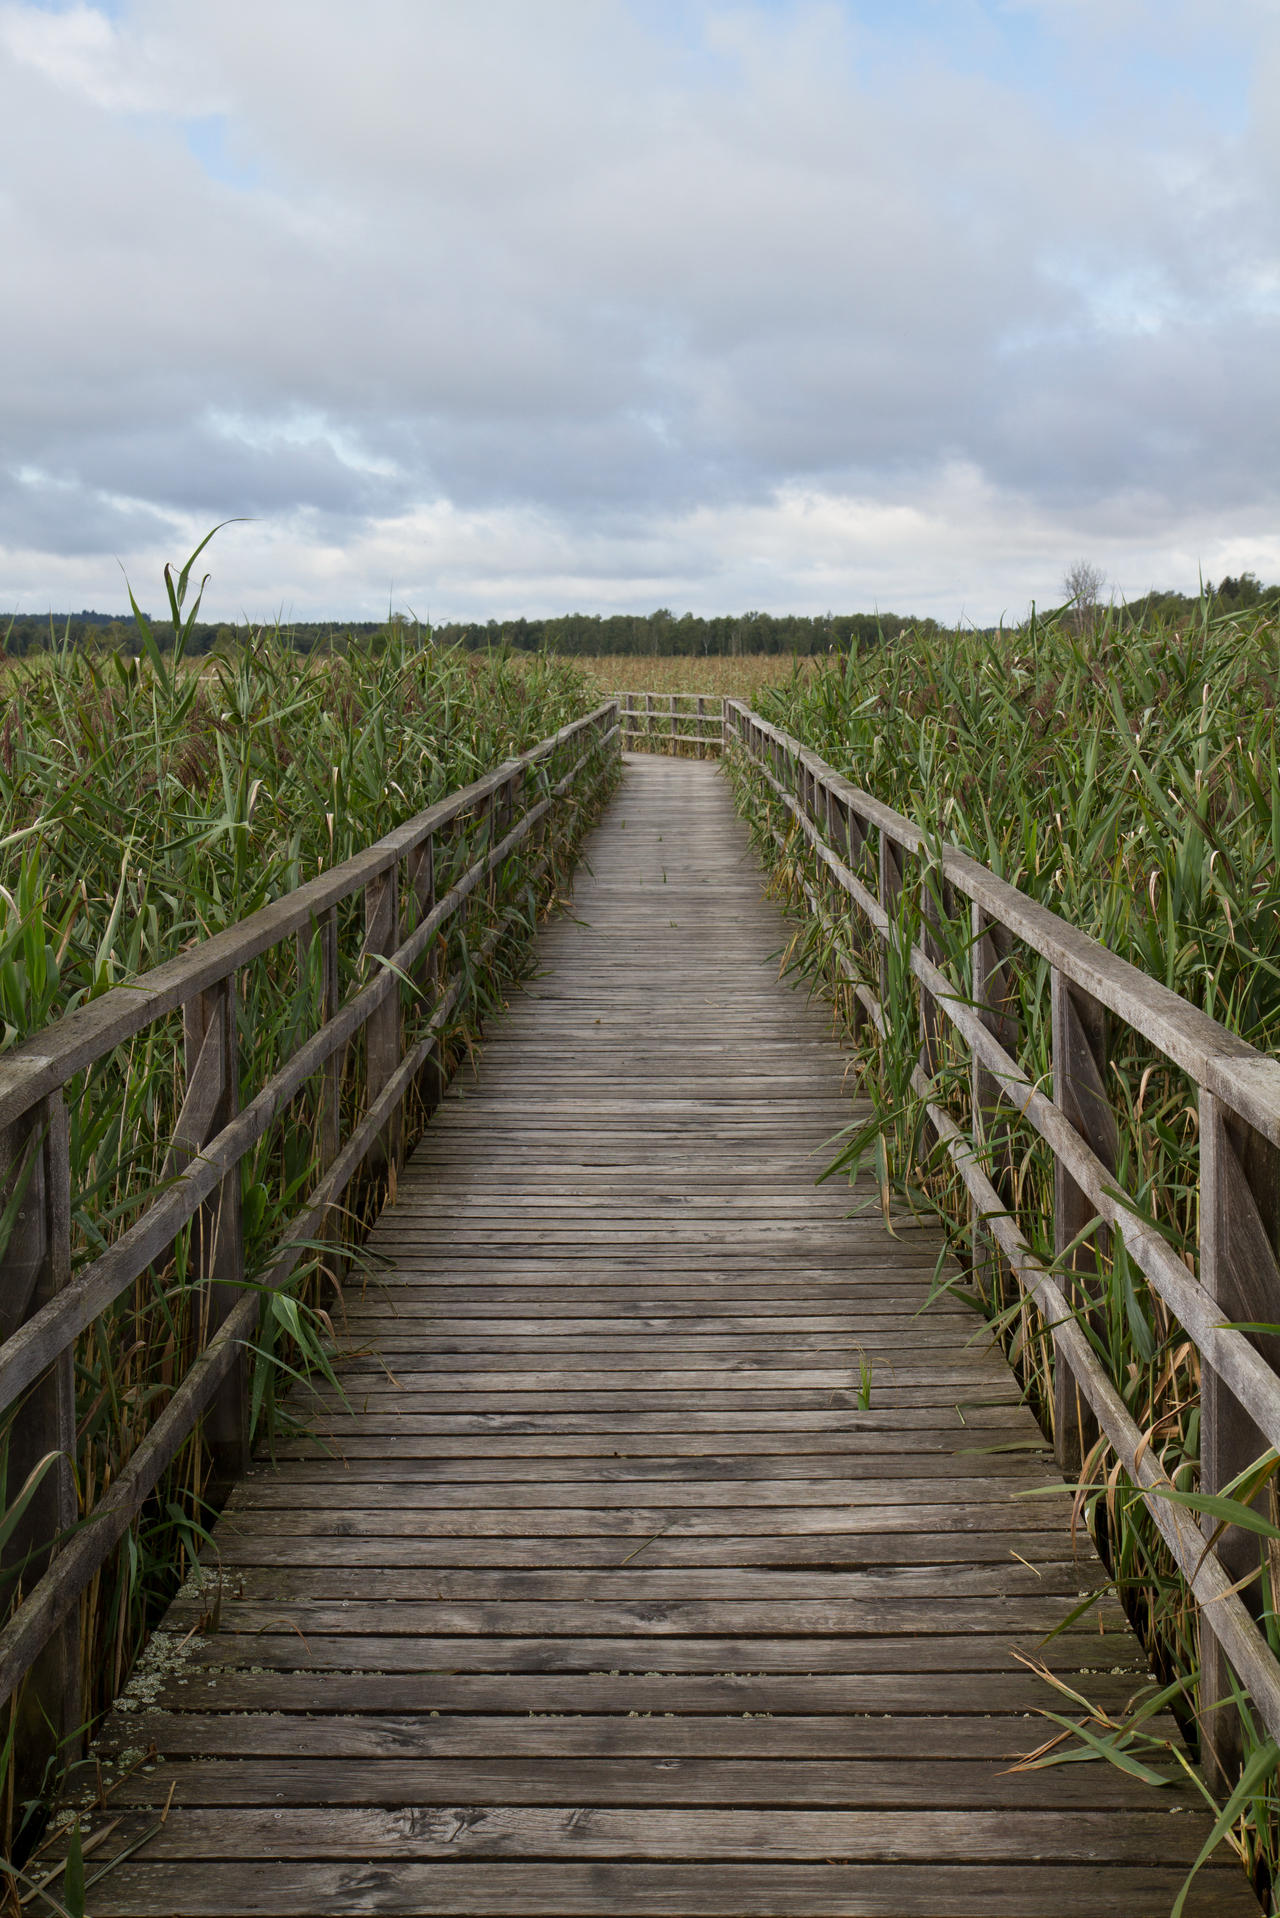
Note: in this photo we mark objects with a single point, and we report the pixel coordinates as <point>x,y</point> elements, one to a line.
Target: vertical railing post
<point>890,895</point>
<point>1239,1268</point>
<point>856,857</point>
<point>383,1027</point>
<point>934,904</point>
<point>994,994</point>
<point>648,722</point>
<point>1080,1090</point>
<point>35,1264</point>
<point>322,941</point>
<point>211,1046</point>
<point>500,824</point>
<point>701,723</point>
<point>853,848</point>
<point>675,736</point>
<point>330,1128</point>
<point>421,880</point>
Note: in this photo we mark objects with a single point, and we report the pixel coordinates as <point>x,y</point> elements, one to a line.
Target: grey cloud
<point>516,258</point>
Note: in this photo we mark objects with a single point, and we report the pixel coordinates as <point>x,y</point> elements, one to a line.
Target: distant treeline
<point>586,634</point>
<point>569,633</point>
<point>668,632</point>
<point>1230,595</point>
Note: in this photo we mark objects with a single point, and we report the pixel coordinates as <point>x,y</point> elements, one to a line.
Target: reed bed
<point>144,808</point>
<point>1131,782</point>
<point>744,677</point>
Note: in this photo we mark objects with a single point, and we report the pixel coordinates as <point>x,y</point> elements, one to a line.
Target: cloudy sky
<point>490,306</point>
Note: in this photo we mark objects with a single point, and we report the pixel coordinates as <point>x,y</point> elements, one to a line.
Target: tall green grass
<point>143,807</point>
<point>1131,782</point>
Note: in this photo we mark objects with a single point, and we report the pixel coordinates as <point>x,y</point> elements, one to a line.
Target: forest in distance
<point>587,635</point>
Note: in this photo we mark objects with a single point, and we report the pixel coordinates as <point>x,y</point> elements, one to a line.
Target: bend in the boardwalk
<point>671,1559</point>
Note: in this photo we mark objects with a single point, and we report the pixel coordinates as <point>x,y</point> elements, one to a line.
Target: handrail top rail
<point>1246,1080</point>
<point>42,1063</point>
<point>627,693</point>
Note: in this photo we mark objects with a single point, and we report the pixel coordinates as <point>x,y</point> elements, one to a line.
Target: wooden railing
<point>686,723</point>
<point>399,902</point>
<point>874,858</point>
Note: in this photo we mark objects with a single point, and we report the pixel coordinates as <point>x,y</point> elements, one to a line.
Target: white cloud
<point>955,547</point>
<point>80,51</point>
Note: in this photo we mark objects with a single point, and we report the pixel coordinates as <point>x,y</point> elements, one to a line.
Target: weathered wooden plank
<point>521,1517</point>
<point>307,1578</point>
<point>712,1890</point>
<point>280,1649</point>
<point>878,1464</point>
<point>852,1784</point>
<point>839,1551</point>
<point>586,1831</point>
<point>618,1735</point>
<point>934,1695</point>
<point>655,1618</point>
<point>896,1490</point>
<point>997,1418</point>
<point>339,1568</point>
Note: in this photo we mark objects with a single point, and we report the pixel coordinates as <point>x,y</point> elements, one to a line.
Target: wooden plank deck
<point>617,1599</point>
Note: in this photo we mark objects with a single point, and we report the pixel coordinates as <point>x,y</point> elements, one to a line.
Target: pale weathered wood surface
<point>609,1595</point>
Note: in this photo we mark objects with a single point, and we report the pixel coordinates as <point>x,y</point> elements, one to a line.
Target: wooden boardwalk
<point>672,1560</point>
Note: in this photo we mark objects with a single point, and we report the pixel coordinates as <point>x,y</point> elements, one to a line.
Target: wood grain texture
<point>671,1554</point>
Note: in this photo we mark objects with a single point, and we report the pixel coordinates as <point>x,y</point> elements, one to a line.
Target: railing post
<point>994,996</point>
<point>853,849</point>
<point>331,1094</point>
<point>322,939</point>
<point>700,722</point>
<point>35,1264</point>
<point>217,1234</point>
<point>933,904</point>
<point>648,722</point>
<point>1239,1235</point>
<point>422,885</point>
<point>500,822</point>
<point>382,1028</point>
<point>1079,1089</point>
<point>890,894</point>
<point>675,735</point>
